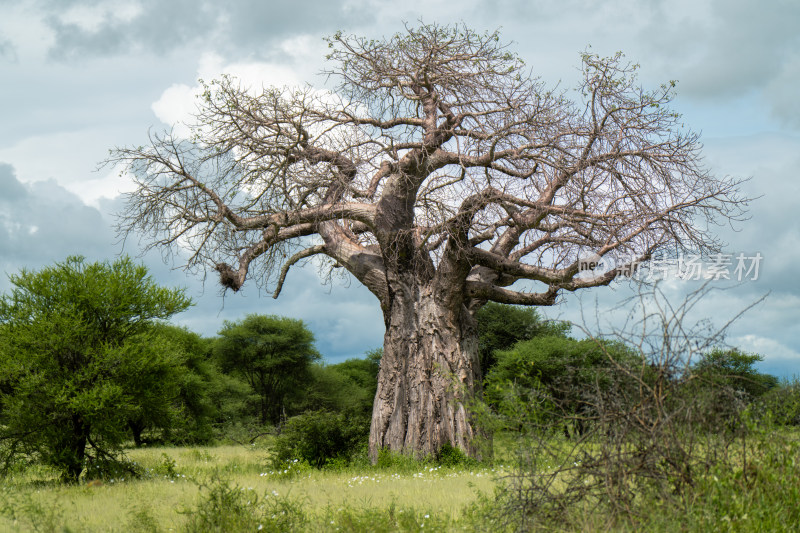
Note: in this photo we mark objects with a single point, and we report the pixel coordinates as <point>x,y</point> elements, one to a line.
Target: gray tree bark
<point>428,375</point>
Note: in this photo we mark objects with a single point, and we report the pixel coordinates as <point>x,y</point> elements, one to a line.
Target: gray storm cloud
<point>43,222</point>
<point>244,26</point>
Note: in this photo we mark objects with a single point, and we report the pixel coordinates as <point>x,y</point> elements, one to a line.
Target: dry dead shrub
<point>650,427</point>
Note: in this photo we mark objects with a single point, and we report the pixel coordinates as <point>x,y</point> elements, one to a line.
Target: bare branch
<point>308,252</point>
<point>438,156</point>
<point>486,291</point>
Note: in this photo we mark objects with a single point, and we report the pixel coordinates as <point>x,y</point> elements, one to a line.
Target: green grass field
<point>232,488</point>
<point>168,497</point>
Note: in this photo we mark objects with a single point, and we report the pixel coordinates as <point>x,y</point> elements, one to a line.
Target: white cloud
<point>178,103</point>
<point>70,159</point>
<point>253,74</point>
<point>772,350</point>
<point>176,106</point>
<point>304,49</point>
<point>27,32</point>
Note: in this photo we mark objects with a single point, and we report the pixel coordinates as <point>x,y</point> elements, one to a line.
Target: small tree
<point>735,369</point>
<point>727,380</point>
<point>80,360</point>
<point>272,353</point>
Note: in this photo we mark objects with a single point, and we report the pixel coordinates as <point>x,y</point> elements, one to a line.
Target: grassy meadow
<point>179,480</point>
<point>230,488</point>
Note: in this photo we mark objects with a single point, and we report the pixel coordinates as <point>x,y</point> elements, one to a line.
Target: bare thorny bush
<point>646,428</point>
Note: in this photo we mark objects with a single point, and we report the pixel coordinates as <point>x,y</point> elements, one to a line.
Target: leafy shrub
<point>225,506</point>
<point>781,405</point>
<point>501,326</point>
<point>320,437</point>
<point>168,468</point>
<point>399,462</point>
<point>554,374</point>
<point>451,456</point>
<point>289,469</point>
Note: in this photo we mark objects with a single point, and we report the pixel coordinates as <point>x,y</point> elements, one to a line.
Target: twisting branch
<point>308,252</point>
<point>485,291</point>
<point>438,157</point>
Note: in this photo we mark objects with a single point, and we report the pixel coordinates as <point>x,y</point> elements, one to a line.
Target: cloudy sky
<point>80,77</point>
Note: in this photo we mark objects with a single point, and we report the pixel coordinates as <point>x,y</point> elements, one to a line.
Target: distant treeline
<point>89,364</point>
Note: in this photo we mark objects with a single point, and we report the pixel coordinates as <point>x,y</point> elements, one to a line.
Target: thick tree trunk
<point>74,454</point>
<point>428,374</point>
<point>137,428</point>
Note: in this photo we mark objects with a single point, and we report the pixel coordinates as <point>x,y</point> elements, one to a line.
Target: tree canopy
<point>557,376</point>
<point>735,369</point>
<point>272,353</point>
<point>438,172</point>
<point>490,162</point>
<point>501,326</point>
<point>80,360</point>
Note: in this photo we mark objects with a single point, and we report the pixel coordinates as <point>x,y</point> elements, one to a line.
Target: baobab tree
<point>438,172</point>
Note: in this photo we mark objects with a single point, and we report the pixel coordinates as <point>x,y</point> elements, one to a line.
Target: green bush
<point>400,462</point>
<point>501,326</point>
<point>319,438</point>
<point>449,455</point>
<point>225,506</point>
<point>168,468</point>
<point>289,469</point>
<point>554,378</point>
<point>781,405</point>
